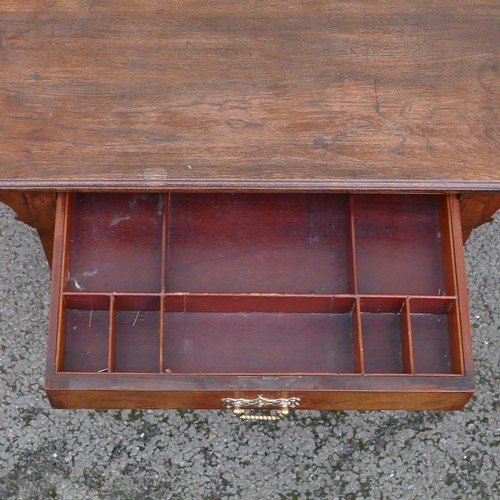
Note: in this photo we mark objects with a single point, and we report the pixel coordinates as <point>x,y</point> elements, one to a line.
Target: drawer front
<point>182,300</point>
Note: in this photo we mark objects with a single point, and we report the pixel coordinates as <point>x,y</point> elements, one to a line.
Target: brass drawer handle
<point>238,406</point>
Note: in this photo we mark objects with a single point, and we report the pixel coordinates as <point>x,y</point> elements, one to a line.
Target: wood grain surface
<point>204,94</point>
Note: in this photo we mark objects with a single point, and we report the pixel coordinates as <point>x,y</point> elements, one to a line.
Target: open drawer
<point>328,301</point>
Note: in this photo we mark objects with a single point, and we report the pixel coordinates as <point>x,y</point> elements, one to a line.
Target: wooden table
<point>250,96</point>
<point>237,96</point>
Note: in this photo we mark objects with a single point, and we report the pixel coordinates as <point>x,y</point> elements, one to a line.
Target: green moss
<point>135,415</point>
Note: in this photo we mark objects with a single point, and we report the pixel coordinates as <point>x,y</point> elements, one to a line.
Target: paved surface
<point>48,453</point>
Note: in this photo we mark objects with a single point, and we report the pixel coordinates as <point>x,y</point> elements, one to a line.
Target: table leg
<point>476,209</point>
<point>36,209</point>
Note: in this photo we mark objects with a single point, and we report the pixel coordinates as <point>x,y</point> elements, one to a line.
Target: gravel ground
<point>47,453</point>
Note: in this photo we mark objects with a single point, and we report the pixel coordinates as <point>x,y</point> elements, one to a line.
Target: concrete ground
<point>47,453</point>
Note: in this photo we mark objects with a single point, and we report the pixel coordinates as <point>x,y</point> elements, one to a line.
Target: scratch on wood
<point>377,105</point>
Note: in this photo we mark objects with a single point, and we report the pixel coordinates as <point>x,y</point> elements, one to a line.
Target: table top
<point>204,94</point>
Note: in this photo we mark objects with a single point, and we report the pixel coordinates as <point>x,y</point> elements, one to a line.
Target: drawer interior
<point>198,283</point>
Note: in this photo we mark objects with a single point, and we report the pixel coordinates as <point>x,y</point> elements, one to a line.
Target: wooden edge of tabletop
<point>242,184</point>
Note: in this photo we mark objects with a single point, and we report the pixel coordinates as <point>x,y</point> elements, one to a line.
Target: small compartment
<point>436,336</point>
<point>115,242</point>
<point>136,334</point>
<point>384,328</point>
<point>282,243</point>
<point>260,342</point>
<point>85,334</point>
<point>399,245</point>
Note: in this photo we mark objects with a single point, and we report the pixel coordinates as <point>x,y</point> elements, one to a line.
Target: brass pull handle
<point>238,406</point>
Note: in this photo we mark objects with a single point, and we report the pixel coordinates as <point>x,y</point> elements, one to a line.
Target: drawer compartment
<point>178,300</point>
